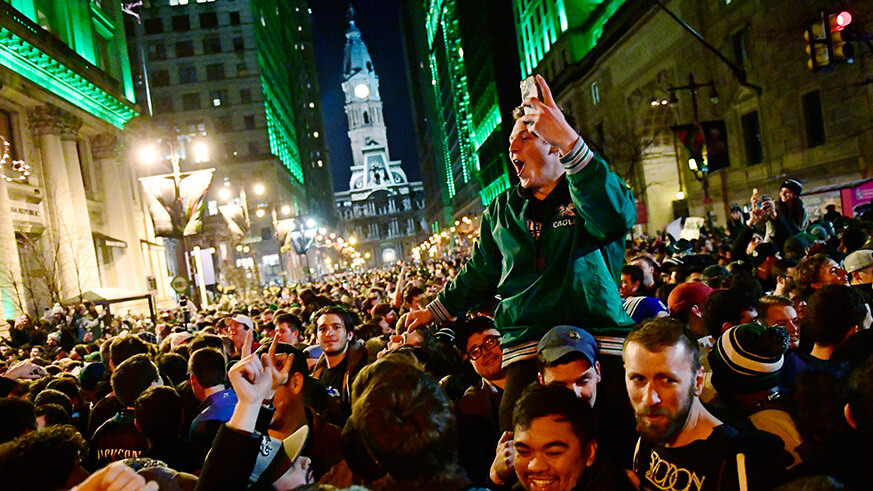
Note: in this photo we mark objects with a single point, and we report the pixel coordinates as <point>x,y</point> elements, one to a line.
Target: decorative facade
<point>72,222</point>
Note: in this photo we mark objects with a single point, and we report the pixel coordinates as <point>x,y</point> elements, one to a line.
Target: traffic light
<point>817,46</point>
<point>839,49</point>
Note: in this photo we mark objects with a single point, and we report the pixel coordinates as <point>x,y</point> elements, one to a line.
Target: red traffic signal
<point>838,48</point>
<point>842,20</point>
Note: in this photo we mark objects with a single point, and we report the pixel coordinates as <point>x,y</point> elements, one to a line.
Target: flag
<point>192,190</point>
<point>177,213</point>
<point>235,217</point>
<point>132,8</point>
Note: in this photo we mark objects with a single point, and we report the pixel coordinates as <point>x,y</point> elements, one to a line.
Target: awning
<point>109,241</point>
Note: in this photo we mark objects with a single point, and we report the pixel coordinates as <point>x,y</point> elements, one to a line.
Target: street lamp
<point>700,171</point>
<point>286,210</point>
<point>259,189</point>
<point>148,154</point>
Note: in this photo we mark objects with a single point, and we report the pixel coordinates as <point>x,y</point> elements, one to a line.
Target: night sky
<point>379,22</point>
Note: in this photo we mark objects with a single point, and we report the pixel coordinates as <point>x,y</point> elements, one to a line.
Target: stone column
<point>11,296</point>
<point>120,211</point>
<point>69,224</point>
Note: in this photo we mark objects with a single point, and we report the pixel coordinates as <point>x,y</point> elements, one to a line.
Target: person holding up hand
<point>551,248</point>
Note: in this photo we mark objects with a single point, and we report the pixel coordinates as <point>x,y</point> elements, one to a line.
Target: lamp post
<point>701,172</point>
<point>184,263</point>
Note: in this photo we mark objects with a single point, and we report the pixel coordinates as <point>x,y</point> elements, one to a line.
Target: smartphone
<point>529,88</point>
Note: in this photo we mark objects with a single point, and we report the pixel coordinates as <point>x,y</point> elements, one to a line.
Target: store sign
<point>24,211</point>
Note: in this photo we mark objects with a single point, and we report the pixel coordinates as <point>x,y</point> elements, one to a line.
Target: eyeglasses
<point>476,351</point>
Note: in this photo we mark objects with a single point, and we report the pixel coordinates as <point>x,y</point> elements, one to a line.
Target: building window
<point>157,50</point>
<point>208,20</point>
<point>239,44</point>
<point>6,133</point>
<point>242,70</point>
<point>234,19</point>
<point>215,72</point>
<point>191,101</point>
<point>752,138</point>
<point>181,23</point>
<point>219,97</point>
<point>595,93</point>
<point>187,74</point>
<point>814,119</point>
<point>184,48</point>
<point>249,122</point>
<point>211,46</point>
<point>160,78</point>
<point>153,26</point>
<point>245,96</point>
<point>162,104</point>
<point>739,43</point>
<point>254,148</point>
<point>223,124</point>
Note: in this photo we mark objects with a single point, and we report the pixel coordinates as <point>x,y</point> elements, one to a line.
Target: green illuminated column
<point>70,237</point>
<point>10,268</point>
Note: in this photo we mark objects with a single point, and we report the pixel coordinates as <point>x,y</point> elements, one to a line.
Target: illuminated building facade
<point>612,64</point>
<point>242,76</point>
<point>72,215</point>
<point>381,209</point>
<point>463,70</point>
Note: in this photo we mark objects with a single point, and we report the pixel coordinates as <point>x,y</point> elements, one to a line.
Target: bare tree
<point>625,144</point>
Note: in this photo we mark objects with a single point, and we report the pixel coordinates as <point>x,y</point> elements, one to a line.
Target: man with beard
<point>682,445</point>
<point>341,358</point>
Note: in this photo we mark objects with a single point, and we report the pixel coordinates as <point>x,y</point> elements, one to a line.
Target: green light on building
<point>539,24</point>
<point>28,61</point>
<point>487,126</point>
<point>491,191</point>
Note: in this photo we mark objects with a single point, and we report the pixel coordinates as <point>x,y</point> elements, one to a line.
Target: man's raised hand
<point>545,119</point>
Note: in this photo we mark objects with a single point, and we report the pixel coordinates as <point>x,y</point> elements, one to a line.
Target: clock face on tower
<point>362,91</point>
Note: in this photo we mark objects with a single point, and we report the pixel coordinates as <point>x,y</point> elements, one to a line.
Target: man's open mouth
<point>519,166</point>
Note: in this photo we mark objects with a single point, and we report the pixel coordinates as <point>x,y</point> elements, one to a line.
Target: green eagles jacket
<point>581,253</point>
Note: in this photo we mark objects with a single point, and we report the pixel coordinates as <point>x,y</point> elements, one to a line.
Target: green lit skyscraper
<point>241,75</point>
<point>463,70</point>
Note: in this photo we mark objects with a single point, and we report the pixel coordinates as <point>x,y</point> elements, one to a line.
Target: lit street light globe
<point>224,194</point>
<point>286,209</point>
<point>310,223</point>
<point>260,213</point>
<point>259,189</point>
<point>148,154</point>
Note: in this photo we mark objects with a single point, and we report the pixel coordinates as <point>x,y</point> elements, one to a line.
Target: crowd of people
<point>560,355</point>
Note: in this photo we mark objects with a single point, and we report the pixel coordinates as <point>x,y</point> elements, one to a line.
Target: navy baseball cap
<point>562,340</point>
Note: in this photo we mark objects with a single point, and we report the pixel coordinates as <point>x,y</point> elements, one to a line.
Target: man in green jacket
<point>551,248</point>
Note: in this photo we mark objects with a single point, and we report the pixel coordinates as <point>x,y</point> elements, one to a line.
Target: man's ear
<point>592,452</point>
<point>540,378</point>
<point>351,334</point>
<point>699,379</point>
<point>695,311</point>
<point>847,412</point>
<point>139,428</point>
<point>597,369</point>
<point>296,384</point>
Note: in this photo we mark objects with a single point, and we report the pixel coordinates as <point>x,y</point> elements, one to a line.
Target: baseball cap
<point>762,252</point>
<point>243,319</point>
<point>686,295</point>
<point>858,260</point>
<point>561,340</point>
<point>277,456</point>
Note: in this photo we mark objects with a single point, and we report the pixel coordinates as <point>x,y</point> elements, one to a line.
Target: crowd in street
<point>560,355</point>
